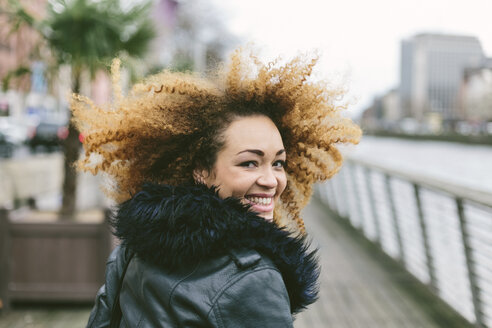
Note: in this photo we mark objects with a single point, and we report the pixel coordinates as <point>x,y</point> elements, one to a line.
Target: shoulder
<point>253,274</point>
<point>249,258</point>
<point>253,278</point>
<point>254,269</point>
<point>255,296</point>
<point>221,272</point>
<point>221,290</point>
<point>229,274</point>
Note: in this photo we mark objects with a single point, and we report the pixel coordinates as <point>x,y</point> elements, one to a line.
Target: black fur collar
<point>174,226</point>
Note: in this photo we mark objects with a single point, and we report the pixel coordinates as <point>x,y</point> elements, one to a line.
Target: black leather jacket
<point>201,261</point>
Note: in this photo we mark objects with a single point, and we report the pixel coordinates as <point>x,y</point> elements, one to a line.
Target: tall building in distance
<point>431,74</point>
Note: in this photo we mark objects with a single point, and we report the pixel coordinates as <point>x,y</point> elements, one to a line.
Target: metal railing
<point>441,233</point>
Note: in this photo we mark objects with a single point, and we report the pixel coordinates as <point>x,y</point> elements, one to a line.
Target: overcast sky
<point>359,39</point>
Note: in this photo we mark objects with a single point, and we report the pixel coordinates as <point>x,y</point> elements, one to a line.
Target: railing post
<point>344,190</point>
<point>372,205</point>
<point>477,303</point>
<point>4,260</point>
<point>396,224</point>
<point>425,237</point>
<point>358,204</point>
<point>332,198</point>
<point>338,195</point>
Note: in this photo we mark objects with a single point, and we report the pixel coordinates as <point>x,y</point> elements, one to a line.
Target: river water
<point>460,164</point>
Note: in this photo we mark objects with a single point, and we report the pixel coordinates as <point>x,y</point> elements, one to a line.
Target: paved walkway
<point>65,317</point>
<point>355,291</point>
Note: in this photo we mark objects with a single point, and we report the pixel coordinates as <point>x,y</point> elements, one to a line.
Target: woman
<point>211,176</point>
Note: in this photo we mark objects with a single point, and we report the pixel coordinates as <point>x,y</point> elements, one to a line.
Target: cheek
<point>282,183</point>
<point>232,182</point>
<point>241,184</point>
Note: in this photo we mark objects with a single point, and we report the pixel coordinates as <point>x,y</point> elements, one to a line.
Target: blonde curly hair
<point>172,123</point>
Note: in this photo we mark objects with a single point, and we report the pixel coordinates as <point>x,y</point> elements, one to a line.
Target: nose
<point>267,179</point>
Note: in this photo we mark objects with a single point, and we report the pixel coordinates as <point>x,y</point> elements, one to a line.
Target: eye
<point>249,164</point>
<point>279,163</point>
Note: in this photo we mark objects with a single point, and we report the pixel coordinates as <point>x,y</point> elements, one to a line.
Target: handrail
<point>479,196</point>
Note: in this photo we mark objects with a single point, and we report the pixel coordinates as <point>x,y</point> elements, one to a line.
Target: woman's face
<point>250,166</point>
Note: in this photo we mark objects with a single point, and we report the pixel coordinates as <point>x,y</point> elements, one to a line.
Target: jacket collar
<point>175,226</point>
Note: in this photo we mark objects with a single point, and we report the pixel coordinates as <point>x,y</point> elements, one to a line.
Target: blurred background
<point>418,76</point>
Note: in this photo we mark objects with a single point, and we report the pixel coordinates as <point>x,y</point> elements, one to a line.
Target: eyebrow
<point>259,152</point>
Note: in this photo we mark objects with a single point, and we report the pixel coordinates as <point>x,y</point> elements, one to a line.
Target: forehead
<point>252,132</point>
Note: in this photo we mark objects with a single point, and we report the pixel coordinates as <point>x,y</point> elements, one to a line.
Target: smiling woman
<point>210,177</point>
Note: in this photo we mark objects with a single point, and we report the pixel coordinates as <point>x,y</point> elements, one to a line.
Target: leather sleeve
<point>101,312</point>
<point>257,299</point>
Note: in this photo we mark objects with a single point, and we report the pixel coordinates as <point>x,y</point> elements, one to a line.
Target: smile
<point>260,200</point>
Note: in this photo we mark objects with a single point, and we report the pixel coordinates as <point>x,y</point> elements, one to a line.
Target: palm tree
<point>87,34</point>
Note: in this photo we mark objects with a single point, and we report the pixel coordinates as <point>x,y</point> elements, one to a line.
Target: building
<point>431,73</point>
<point>16,51</point>
<point>384,113</point>
<point>16,48</point>
<point>476,95</point>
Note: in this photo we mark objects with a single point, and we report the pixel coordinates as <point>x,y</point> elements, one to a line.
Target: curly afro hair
<point>172,123</point>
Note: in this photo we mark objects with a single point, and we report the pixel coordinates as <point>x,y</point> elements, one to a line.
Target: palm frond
<point>89,33</point>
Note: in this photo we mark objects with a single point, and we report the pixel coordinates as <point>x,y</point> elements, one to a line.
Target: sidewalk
<point>355,290</point>
<point>39,317</point>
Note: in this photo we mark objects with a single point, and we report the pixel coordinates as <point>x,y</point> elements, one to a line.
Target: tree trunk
<point>71,148</point>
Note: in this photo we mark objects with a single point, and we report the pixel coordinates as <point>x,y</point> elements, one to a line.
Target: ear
<point>199,175</point>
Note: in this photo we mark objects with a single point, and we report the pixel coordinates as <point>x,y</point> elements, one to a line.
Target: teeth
<point>261,200</point>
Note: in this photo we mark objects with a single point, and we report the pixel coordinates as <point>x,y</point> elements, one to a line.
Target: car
<point>48,135</point>
<point>15,130</point>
